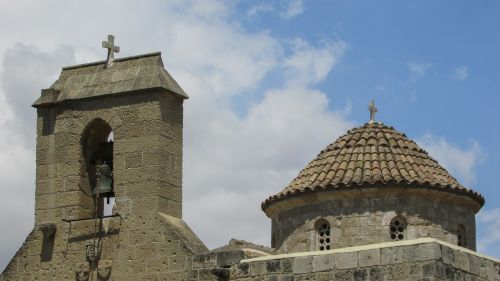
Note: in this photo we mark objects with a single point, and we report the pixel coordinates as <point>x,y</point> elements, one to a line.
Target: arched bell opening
<point>96,176</point>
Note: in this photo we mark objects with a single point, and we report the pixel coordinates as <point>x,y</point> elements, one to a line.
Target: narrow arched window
<point>461,241</point>
<point>323,235</point>
<point>397,229</point>
<point>96,177</point>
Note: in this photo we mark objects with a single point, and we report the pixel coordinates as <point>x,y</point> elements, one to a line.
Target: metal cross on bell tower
<point>112,49</point>
<point>373,110</point>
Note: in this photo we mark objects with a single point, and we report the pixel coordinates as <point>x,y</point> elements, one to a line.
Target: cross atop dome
<point>373,110</point>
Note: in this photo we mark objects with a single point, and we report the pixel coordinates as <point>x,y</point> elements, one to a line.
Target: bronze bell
<point>104,181</point>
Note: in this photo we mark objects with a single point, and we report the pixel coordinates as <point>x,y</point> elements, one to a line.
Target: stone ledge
<point>421,258</point>
<point>217,259</point>
<point>372,247</point>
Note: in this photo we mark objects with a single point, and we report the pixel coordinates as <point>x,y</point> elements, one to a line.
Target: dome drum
<point>364,217</point>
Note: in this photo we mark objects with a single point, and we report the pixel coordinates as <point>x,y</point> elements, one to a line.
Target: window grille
<point>324,238</point>
<point>397,229</point>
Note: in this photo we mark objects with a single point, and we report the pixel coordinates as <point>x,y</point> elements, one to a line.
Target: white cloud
<point>309,64</point>
<point>489,221</point>
<point>461,163</point>
<point>284,9</point>
<point>294,8</point>
<point>241,161</point>
<point>488,216</point>
<point>26,70</point>
<point>418,69</point>
<point>17,173</point>
<point>234,156</point>
<point>461,73</point>
<point>260,9</point>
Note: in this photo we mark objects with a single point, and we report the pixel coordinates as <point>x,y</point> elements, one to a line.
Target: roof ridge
<point>115,60</point>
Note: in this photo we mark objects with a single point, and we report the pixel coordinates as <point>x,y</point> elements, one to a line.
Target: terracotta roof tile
<point>372,154</point>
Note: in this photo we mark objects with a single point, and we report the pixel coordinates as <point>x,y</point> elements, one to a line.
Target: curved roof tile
<point>368,155</point>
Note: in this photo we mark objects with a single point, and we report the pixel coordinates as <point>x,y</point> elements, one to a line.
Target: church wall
<point>147,130</point>
<point>364,218</point>
<point>407,260</point>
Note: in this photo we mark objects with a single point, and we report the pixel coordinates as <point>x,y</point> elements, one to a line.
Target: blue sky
<point>271,84</point>
<point>453,43</point>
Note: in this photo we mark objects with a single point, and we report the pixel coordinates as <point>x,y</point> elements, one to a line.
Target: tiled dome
<point>372,155</point>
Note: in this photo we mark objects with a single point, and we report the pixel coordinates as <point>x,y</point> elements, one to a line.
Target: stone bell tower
<point>110,130</point>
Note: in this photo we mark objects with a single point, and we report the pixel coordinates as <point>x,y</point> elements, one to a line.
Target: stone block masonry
<point>364,217</point>
<point>419,259</point>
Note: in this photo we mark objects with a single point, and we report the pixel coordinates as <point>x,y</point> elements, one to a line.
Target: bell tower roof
<point>129,74</point>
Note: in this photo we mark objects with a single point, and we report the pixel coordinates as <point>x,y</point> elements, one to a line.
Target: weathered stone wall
<point>419,260</point>
<point>149,241</point>
<point>360,218</point>
<point>147,131</point>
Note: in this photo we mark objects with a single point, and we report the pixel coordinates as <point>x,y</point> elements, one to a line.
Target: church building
<point>372,205</point>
